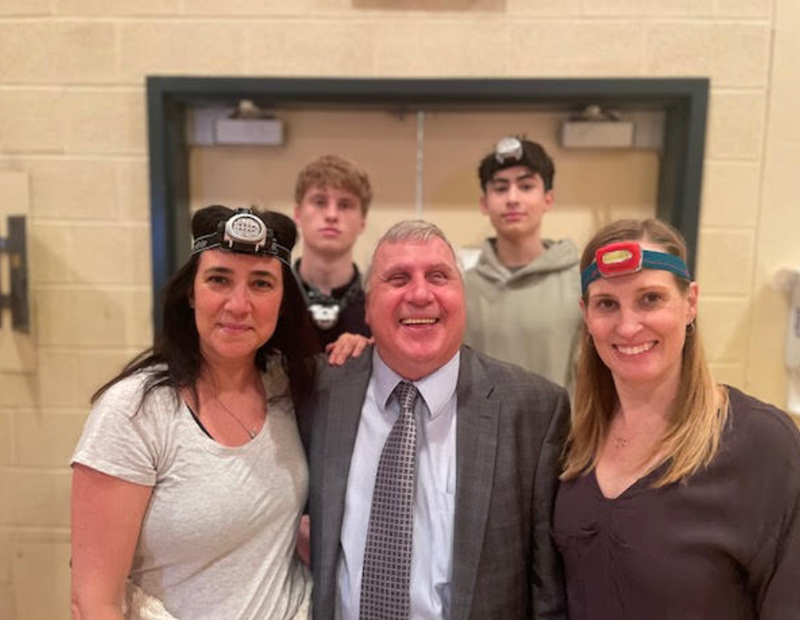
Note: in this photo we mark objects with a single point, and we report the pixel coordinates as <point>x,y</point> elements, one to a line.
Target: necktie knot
<point>407,395</point>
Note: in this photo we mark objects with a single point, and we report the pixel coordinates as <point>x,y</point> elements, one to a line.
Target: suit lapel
<point>343,413</point>
<point>476,449</point>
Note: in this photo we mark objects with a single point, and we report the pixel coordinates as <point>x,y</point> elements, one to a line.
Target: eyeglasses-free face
<point>236,300</point>
<point>638,324</point>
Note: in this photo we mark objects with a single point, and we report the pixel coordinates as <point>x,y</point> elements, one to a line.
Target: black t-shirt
<point>348,299</point>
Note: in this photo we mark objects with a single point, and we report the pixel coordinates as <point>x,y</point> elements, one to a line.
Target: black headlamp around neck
<point>243,233</point>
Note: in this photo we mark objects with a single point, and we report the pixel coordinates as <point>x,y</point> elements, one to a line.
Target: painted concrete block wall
<point>72,115</point>
<point>778,221</point>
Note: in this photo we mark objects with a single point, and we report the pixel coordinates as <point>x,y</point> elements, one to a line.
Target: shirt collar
<point>436,388</point>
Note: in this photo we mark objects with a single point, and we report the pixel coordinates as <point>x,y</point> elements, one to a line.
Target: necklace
<point>252,433</point>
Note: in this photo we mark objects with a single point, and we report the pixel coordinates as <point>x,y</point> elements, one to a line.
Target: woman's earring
<point>690,328</point>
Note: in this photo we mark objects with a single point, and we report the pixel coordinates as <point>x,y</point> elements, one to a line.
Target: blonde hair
<point>700,409</point>
<point>335,171</point>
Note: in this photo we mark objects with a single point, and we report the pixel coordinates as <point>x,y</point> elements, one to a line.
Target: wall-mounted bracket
<point>15,246</point>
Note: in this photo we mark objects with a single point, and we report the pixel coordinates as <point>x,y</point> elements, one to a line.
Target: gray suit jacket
<point>510,430</point>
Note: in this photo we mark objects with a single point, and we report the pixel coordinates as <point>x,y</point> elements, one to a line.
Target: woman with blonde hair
<point>680,498</point>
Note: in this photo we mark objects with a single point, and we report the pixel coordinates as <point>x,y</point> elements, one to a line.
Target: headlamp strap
<point>626,257</point>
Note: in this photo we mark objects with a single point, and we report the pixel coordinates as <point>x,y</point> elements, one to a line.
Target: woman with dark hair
<point>680,498</point>
<point>189,478</point>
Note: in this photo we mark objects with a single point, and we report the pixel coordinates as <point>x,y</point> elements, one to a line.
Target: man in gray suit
<point>486,438</point>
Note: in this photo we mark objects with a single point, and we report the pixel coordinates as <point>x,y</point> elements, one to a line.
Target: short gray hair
<point>414,231</point>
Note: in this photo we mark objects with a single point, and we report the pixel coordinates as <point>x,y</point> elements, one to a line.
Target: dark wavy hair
<point>175,357</point>
<point>533,156</point>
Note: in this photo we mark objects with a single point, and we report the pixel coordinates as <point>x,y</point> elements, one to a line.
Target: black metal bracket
<point>16,247</point>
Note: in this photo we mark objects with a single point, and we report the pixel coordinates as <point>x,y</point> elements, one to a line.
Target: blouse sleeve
<point>781,594</point>
<point>120,438</point>
<point>774,573</point>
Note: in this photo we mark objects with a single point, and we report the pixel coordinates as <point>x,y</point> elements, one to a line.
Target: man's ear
<point>482,203</point>
<point>548,199</point>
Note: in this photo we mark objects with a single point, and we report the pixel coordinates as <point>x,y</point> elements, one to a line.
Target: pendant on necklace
<point>621,442</point>
<point>251,433</point>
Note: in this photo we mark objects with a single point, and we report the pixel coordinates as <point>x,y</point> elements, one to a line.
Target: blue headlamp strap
<point>619,259</point>
<point>244,233</point>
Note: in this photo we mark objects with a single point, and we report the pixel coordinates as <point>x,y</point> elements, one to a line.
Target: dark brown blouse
<point>723,546</point>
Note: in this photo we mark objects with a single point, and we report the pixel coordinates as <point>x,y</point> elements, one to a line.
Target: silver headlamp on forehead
<point>243,233</point>
<point>508,149</point>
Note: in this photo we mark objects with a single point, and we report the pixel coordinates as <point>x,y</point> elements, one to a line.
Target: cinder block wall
<point>72,116</point>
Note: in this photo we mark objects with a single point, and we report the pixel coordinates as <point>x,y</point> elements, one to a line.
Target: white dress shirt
<point>432,551</point>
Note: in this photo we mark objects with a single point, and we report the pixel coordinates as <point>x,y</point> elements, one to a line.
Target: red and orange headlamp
<point>625,257</point>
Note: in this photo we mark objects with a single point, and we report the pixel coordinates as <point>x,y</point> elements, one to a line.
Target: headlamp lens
<point>246,229</point>
<point>508,149</point>
<point>617,259</point>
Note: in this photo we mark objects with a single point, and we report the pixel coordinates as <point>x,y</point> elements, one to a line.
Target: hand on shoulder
<point>346,346</point>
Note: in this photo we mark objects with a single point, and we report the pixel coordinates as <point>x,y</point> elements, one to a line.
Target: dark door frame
<point>683,100</point>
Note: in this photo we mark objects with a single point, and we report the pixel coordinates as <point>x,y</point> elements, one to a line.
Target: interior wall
<point>776,214</point>
<point>73,119</point>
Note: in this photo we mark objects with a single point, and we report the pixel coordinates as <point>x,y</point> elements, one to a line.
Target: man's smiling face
<point>415,306</point>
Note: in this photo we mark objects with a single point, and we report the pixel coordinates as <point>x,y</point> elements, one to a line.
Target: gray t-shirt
<point>218,537</point>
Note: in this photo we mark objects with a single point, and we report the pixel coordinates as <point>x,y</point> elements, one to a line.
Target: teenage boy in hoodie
<point>523,295</point>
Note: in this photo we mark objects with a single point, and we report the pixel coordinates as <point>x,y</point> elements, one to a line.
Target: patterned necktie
<point>386,577</point>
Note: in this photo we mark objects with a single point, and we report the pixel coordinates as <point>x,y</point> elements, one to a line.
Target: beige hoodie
<point>530,316</point>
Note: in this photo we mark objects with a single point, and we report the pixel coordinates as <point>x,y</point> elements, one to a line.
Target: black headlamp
<point>326,310</point>
<point>244,233</point>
